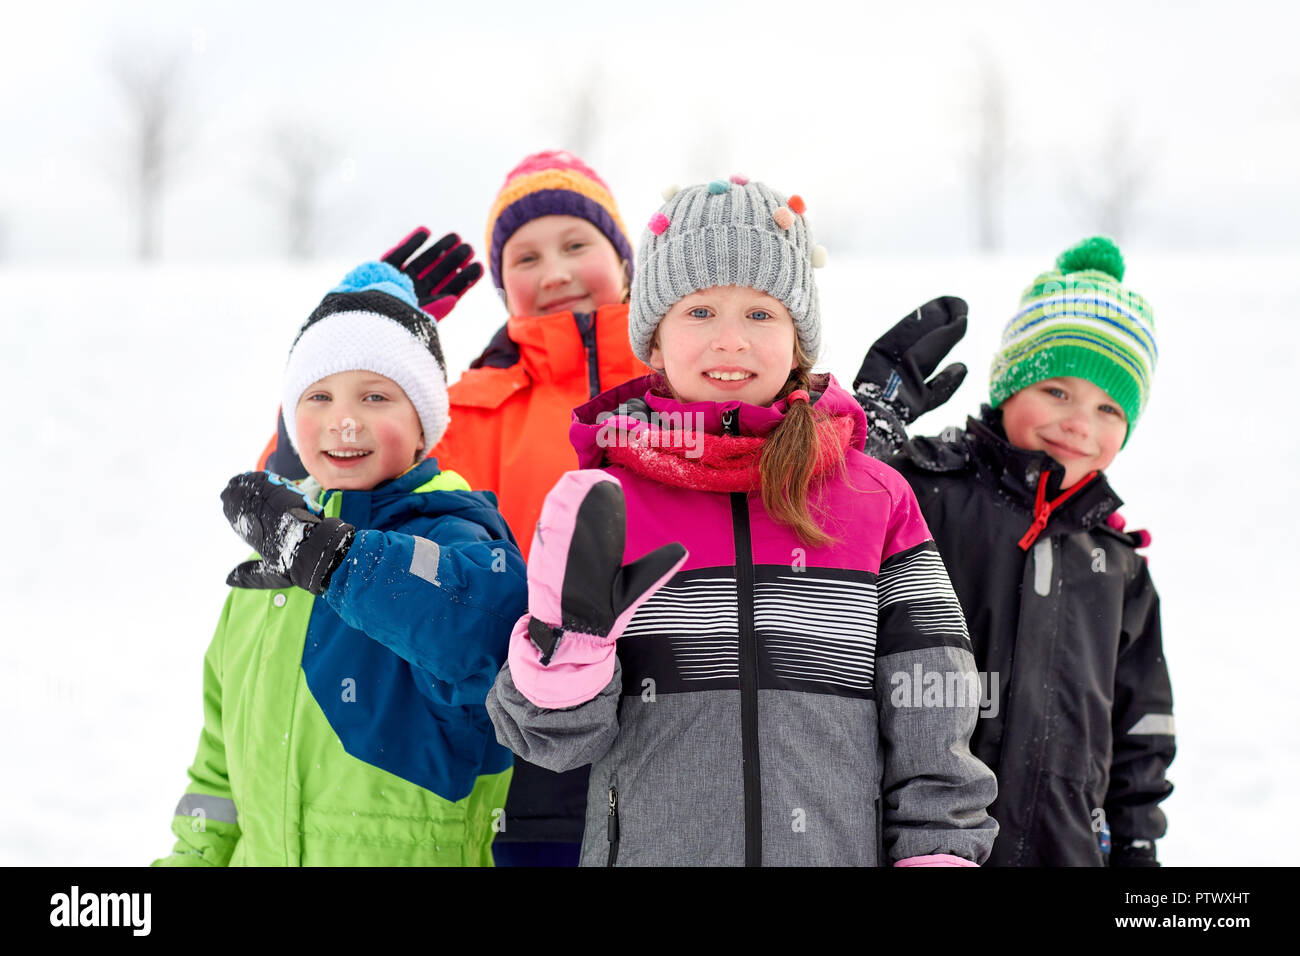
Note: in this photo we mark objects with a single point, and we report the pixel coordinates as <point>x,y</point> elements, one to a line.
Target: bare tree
<point>301,158</point>
<point>572,119</point>
<point>990,159</point>
<point>1106,190</point>
<point>580,128</point>
<point>149,85</point>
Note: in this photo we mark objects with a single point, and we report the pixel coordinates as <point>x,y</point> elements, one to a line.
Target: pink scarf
<point>713,462</point>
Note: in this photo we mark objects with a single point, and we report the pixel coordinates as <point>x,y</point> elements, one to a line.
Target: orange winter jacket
<point>510,411</point>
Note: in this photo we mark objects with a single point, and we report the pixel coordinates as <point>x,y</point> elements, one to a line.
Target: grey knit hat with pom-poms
<point>726,232</point>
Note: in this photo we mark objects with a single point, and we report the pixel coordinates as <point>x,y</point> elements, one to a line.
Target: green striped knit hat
<point>1078,320</point>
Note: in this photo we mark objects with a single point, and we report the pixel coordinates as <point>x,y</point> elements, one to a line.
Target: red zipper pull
<point>1042,511</point>
<point>1035,529</point>
<point>1043,508</point>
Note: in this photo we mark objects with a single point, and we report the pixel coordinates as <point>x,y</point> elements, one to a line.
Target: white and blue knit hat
<point>726,232</point>
<point>372,321</point>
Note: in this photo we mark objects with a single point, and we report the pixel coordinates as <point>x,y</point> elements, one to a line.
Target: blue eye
<point>376,395</point>
<point>1055,392</point>
<point>1112,410</point>
<point>760,314</point>
<point>699,312</point>
<point>315,396</point>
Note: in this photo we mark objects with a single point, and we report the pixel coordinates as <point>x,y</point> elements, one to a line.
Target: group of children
<point>757,624</point>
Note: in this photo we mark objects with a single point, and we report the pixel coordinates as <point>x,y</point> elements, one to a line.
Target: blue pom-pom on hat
<point>381,277</point>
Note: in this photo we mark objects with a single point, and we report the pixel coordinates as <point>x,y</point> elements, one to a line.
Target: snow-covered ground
<point>134,394</point>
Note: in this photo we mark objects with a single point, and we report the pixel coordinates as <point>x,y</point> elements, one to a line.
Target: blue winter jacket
<point>350,729</point>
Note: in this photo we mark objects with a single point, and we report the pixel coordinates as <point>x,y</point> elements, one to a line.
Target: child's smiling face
<point>560,264</point>
<point>727,343</point>
<point>357,429</point>
<point>1071,419</point>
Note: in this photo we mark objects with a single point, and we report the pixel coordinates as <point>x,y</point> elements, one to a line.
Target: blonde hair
<point>791,454</point>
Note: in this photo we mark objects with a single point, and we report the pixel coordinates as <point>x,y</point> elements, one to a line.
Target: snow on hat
<point>1077,320</point>
<point>372,321</point>
<point>726,232</point>
<point>552,183</point>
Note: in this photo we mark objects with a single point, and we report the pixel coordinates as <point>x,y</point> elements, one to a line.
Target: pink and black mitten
<point>580,593</point>
<point>441,274</point>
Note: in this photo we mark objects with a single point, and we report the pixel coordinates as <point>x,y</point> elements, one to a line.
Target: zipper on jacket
<point>1043,508</point>
<point>588,332</point>
<point>748,665</point>
<point>612,825</point>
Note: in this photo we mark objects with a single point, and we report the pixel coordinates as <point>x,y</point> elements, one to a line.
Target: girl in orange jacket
<point>561,261</point>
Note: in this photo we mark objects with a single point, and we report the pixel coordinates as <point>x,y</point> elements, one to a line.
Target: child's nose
<point>555,277</point>
<point>1077,421</point>
<point>348,421</point>
<point>729,336</point>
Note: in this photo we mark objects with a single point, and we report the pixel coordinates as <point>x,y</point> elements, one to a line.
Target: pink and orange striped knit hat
<point>552,183</point>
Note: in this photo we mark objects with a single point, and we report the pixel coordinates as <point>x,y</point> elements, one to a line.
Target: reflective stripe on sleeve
<point>1154,724</point>
<point>220,809</point>
<point>424,561</point>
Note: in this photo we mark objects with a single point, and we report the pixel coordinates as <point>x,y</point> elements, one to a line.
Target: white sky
<point>864,110</point>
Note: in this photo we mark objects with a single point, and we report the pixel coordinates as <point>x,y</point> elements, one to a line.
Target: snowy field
<point>135,394</point>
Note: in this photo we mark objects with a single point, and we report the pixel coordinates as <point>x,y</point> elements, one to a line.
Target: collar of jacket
<point>551,347</point>
<point>1016,470</point>
<point>392,502</point>
<point>758,421</point>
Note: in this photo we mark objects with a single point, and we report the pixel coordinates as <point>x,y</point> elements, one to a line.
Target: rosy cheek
<point>600,278</point>
<point>398,436</point>
<point>306,428</point>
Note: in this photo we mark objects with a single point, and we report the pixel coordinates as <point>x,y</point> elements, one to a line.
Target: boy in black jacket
<point>1064,619</point>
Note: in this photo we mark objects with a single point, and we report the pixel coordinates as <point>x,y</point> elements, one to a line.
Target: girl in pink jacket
<point>737,617</point>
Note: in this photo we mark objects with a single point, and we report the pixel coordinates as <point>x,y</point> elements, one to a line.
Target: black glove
<point>1134,853</point>
<point>278,521</point>
<point>895,368</point>
<point>442,273</point>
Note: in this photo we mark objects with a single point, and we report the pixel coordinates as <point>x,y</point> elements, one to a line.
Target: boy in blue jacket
<point>344,719</point>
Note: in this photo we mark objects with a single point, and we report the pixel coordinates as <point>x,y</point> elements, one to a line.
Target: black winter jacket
<point>1078,723</point>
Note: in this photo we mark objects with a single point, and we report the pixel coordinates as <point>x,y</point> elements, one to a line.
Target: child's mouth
<point>728,379</point>
<point>562,305</point>
<point>346,459</point>
<point>1065,450</point>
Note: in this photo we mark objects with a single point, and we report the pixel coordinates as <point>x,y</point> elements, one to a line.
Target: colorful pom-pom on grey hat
<point>1077,320</point>
<point>726,232</point>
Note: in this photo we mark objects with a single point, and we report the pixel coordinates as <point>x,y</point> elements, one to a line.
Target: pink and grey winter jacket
<point>774,703</point>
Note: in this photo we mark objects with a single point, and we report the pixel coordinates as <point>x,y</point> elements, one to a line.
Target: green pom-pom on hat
<point>1097,254</point>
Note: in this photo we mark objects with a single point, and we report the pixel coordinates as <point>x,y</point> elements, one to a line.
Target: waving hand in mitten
<point>278,521</point>
<point>892,384</point>
<point>580,593</point>
<point>442,273</point>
